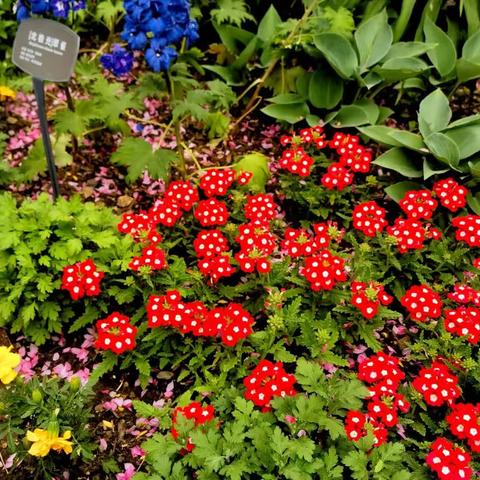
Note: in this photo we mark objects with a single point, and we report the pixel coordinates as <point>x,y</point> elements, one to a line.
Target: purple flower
<point>119,62</point>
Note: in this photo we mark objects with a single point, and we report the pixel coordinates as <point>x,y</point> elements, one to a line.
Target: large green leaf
<point>471,49</point>
<point>289,112</point>
<point>339,53</point>
<point>137,155</point>
<point>398,160</point>
<point>434,113</point>
<point>466,138</point>
<point>268,26</point>
<point>373,39</point>
<point>408,139</point>
<point>430,169</point>
<point>348,116</point>
<point>443,148</point>
<point>380,134</point>
<point>325,89</point>
<point>396,69</point>
<point>407,49</point>
<point>443,55</point>
<point>257,164</point>
<point>467,70</point>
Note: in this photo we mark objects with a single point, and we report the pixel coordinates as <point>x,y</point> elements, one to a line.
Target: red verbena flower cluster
<point>464,322</point>
<point>422,303</point>
<point>450,194</point>
<point>369,218</point>
<point>193,411</point>
<point>82,279</point>
<point>266,381</point>
<point>409,234</point>
<point>324,270</point>
<point>464,423</point>
<point>368,297</point>
<point>217,181</point>
<point>152,257</point>
<point>299,243</point>
<point>115,333</point>
<point>418,204</point>
<point>231,323</point>
<point>468,229</point>
<point>465,294</point>
<point>438,385</point>
<point>383,373</point>
<point>448,462</point>
<point>211,212</point>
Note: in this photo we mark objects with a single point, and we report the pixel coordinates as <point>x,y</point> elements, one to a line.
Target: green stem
<point>403,19</point>
<point>182,168</point>
<point>431,11</point>
<point>472,12</point>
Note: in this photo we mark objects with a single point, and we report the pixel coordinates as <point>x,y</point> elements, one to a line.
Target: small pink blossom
<point>127,474</point>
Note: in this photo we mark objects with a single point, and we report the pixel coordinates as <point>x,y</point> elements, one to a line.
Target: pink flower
<point>103,444</point>
<point>127,474</point>
<point>290,419</point>
<point>137,451</point>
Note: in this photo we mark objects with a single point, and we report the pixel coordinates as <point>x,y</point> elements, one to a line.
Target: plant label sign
<point>45,49</point>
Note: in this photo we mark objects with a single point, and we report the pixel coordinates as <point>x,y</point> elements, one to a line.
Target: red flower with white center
<point>465,294</point>
<point>298,243</point>
<point>194,322</point>
<point>261,207</point>
<point>193,411</point>
<point>115,333</point>
<point>422,303</point>
<point>432,233</point>
<point>369,218</point>
<point>357,159</point>
<point>409,234</point>
<point>296,161</point>
<point>448,462</point>
<point>209,243</point>
<point>82,279</point>
<point>381,368</point>
<point>266,381</point>
<point>216,266</point>
<point>451,195</point>
<point>342,142</point>
<point>463,421</point>
<point>211,212</point>
<point>285,140</point>
<point>368,298</point>
<point>167,310</point>
<point>306,135</point>
<point>355,425</point>
<point>232,323</point>
<point>464,322</point>
<point>184,194</point>
<point>476,263</point>
<point>319,137</point>
<point>152,257</point>
<point>165,212</point>
<point>256,236</point>
<point>217,181</point>
<point>243,178</point>
<point>437,384</point>
<point>418,204</point>
<point>253,260</point>
<point>382,413</point>
<point>337,177</point>
<point>324,270</point>
<point>468,229</point>
<point>326,232</point>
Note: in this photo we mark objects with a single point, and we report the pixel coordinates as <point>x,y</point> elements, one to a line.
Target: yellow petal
<point>8,377</point>
<point>107,424</point>
<point>39,449</point>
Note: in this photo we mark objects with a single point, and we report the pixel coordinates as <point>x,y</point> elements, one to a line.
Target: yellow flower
<point>6,92</point>
<point>44,441</point>
<point>8,361</point>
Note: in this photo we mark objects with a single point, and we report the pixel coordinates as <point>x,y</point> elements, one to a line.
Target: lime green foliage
<point>39,238</point>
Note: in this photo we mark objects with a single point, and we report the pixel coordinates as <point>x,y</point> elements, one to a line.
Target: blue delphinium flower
<point>57,8</point>
<point>119,62</point>
<point>156,26</point>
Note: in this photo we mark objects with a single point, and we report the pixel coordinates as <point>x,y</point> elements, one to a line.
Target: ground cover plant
<point>264,262</point>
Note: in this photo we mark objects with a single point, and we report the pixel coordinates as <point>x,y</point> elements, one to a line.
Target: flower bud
<point>37,396</point>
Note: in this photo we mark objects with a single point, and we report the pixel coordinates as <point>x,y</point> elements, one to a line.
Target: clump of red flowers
<point>152,257</point>
<point>449,462</point>
<point>368,297</point>
<point>115,333</point>
<point>418,204</point>
<point>369,218</point>
<point>217,181</point>
<point>463,421</point>
<point>193,411</point>
<point>409,234</point>
<point>438,385</point>
<point>384,375</point>
<point>450,194</point>
<point>464,322</point>
<point>422,303</point>
<point>266,381</point>
<point>468,229</point>
<point>324,270</point>
<point>299,243</point>
<point>82,279</point>
<point>211,212</point>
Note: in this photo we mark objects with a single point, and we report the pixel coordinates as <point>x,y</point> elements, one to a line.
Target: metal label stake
<point>47,50</point>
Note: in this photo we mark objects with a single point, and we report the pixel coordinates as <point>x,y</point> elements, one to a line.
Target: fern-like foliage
<point>231,11</point>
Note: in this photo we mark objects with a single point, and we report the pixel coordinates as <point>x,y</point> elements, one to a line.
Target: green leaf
<point>137,155</point>
<point>231,11</point>
<point>396,159</point>
<point>407,49</point>
<point>352,116</point>
<point>257,164</point>
<point>286,99</point>
<point>443,55</point>
<point>466,138</point>
<point>398,190</point>
<point>443,148</point>
<point>471,49</point>
<point>325,89</point>
<point>474,202</point>
<point>434,113</point>
<point>289,112</point>
<point>380,134</point>
<point>408,139</point>
<point>268,26</point>
<point>396,69</point>
<point>429,170</point>
<point>339,53</point>
<point>373,39</point>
